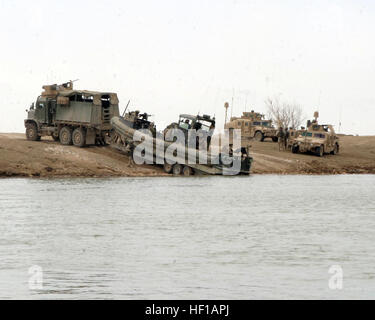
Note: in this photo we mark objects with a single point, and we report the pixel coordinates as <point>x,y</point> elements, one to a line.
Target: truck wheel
<point>320,151</point>
<point>66,136</point>
<point>187,171</point>
<point>79,137</point>
<point>295,149</point>
<point>335,149</point>
<point>32,132</point>
<point>177,169</point>
<point>275,139</point>
<point>168,167</point>
<point>259,136</point>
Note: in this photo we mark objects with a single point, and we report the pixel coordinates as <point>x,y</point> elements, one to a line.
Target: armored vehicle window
<point>306,134</point>
<point>206,126</point>
<point>319,135</point>
<point>239,123</point>
<point>184,123</point>
<point>246,124</point>
<point>316,127</point>
<point>105,99</point>
<point>256,123</point>
<point>88,99</point>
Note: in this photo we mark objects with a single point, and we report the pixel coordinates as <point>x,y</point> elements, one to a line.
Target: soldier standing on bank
<point>281,138</point>
<point>286,140</point>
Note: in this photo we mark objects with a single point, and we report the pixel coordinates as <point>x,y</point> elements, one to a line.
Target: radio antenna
<point>123,114</point>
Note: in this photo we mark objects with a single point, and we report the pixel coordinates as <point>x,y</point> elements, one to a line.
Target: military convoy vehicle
<point>319,139</point>
<point>253,126</point>
<point>77,117</point>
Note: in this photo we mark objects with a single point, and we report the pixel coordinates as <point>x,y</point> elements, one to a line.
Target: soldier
<point>152,128</point>
<point>281,138</point>
<point>286,139</point>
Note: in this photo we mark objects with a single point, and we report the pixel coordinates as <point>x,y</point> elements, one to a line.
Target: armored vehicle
<point>319,139</point>
<point>253,126</point>
<point>71,116</point>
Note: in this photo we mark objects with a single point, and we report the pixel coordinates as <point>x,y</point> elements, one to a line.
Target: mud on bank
<point>22,158</point>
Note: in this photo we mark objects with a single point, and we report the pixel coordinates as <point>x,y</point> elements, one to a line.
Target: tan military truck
<point>253,126</point>
<point>319,139</point>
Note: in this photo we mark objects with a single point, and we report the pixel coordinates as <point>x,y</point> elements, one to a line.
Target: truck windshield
<point>206,125</point>
<point>306,134</point>
<point>185,123</point>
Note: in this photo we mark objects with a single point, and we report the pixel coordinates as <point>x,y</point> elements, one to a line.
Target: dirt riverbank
<point>22,158</point>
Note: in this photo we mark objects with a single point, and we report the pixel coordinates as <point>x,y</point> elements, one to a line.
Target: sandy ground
<point>357,155</point>
<point>46,158</point>
<point>19,157</point>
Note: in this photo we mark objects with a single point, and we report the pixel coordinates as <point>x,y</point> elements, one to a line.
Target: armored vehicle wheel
<point>32,132</point>
<point>187,171</point>
<point>177,169</point>
<point>79,137</point>
<point>275,139</point>
<point>259,136</point>
<point>335,149</point>
<point>167,167</point>
<point>66,136</point>
<point>320,151</point>
<point>295,149</point>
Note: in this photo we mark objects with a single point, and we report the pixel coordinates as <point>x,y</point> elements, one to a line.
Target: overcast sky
<point>170,57</point>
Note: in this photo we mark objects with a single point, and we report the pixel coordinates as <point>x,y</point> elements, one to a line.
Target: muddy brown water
<point>176,238</point>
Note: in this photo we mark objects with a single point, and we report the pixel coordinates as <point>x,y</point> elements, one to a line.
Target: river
<point>257,237</point>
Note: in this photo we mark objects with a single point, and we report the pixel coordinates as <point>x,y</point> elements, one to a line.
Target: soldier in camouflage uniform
<point>281,138</point>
